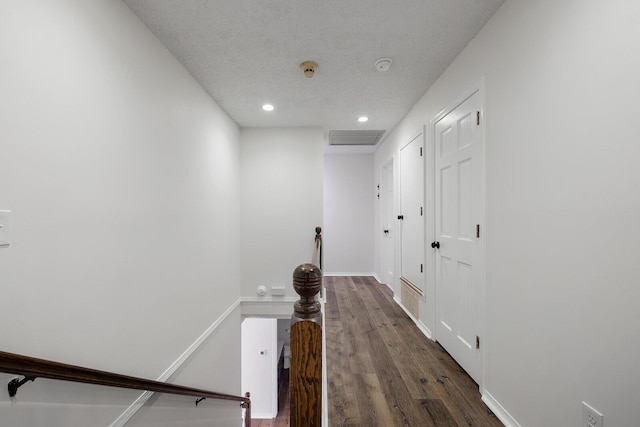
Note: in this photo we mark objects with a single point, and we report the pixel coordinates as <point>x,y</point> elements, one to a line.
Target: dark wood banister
<point>306,343</point>
<point>31,367</point>
<point>316,259</point>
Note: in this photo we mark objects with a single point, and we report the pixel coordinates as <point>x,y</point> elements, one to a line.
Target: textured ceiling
<point>247,52</point>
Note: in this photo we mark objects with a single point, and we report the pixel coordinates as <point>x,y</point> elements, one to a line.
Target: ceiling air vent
<point>355,137</point>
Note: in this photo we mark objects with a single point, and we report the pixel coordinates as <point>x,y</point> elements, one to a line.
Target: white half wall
<point>260,365</point>
<point>122,178</point>
<point>349,207</point>
<point>281,204</point>
<point>215,361</point>
<point>563,236</point>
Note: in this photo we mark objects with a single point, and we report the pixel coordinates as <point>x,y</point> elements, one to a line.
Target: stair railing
<point>306,343</point>
<point>316,259</point>
<point>32,368</point>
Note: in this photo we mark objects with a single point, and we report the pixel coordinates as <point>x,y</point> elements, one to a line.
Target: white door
<point>412,214</point>
<point>386,211</point>
<point>459,213</point>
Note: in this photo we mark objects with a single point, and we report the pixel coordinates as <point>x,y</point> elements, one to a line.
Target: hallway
<point>382,371</point>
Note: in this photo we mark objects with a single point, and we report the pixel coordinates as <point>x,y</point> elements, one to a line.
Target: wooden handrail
<point>32,368</point>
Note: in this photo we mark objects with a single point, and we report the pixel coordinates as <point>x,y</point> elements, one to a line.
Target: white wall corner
<point>498,410</point>
<point>426,331</point>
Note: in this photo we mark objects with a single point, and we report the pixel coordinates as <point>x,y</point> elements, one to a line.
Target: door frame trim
<point>391,206</point>
<point>477,87</point>
<point>422,294</point>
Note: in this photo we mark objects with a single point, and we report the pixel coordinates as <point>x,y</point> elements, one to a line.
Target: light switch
<point>4,228</point>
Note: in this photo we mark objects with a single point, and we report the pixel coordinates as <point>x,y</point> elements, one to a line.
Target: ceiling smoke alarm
<point>383,64</point>
<point>308,68</point>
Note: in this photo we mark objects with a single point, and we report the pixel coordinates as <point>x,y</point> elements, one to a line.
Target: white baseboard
<point>426,331</point>
<point>142,399</point>
<point>498,410</point>
<point>397,300</point>
<point>423,328</point>
<point>325,378</point>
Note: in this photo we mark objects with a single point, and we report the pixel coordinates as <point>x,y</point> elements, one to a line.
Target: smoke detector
<point>308,68</point>
<point>383,64</point>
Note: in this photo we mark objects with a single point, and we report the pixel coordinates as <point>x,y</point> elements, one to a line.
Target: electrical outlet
<point>591,417</point>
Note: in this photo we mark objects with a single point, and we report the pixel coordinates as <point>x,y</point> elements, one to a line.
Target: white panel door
<point>458,251</point>
<point>386,208</point>
<point>412,213</point>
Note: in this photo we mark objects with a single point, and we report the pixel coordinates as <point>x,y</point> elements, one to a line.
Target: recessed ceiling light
<point>363,119</point>
<point>267,107</point>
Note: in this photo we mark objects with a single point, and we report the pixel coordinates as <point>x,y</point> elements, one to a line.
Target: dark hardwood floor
<point>382,371</point>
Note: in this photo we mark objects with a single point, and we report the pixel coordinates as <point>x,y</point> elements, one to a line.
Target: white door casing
<point>459,215</point>
<point>388,233</point>
<point>412,213</point>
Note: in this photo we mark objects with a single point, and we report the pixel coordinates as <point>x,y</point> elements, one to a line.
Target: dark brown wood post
<point>318,248</point>
<point>306,349</point>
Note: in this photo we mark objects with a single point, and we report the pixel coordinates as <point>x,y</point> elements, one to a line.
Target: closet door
<point>412,214</point>
<point>458,249</point>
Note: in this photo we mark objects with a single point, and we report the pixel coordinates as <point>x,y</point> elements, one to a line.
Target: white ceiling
<point>247,52</point>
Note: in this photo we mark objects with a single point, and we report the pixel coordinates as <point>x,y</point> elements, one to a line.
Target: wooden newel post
<point>247,409</point>
<point>306,349</point>
<point>317,253</point>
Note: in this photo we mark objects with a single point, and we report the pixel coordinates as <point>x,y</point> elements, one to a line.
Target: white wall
<point>281,204</point>
<point>215,362</point>
<point>260,365</point>
<point>122,177</point>
<point>563,196</point>
<point>349,206</point>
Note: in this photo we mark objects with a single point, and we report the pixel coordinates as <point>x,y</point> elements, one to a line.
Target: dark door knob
<point>386,231</point>
<point>435,245</point>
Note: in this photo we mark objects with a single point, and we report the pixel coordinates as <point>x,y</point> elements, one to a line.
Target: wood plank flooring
<point>383,372</point>
<point>282,420</point>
